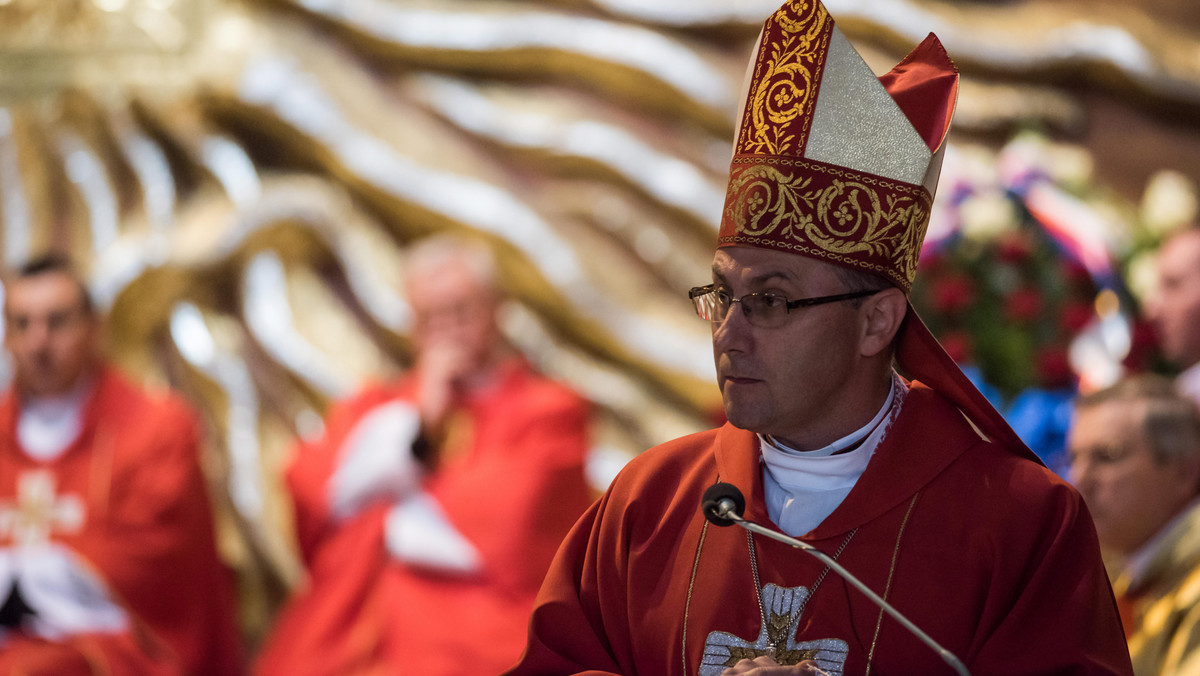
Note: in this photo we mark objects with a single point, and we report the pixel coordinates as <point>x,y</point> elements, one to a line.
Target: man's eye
<point>771,302</point>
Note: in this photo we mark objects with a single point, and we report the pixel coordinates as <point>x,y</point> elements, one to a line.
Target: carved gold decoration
<point>39,29</point>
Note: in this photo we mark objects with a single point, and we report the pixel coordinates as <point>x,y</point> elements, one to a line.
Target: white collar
<point>47,426</point>
<point>846,441</point>
<point>821,468</point>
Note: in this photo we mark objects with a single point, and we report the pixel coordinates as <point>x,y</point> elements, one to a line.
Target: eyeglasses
<point>764,310</point>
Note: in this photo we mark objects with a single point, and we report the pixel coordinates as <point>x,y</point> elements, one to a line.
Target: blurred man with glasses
<point>1135,457</point>
<point>915,485</point>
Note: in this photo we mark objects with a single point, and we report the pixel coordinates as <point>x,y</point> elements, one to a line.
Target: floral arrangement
<point>1010,306</point>
<point>1030,277</point>
<point>1026,254</point>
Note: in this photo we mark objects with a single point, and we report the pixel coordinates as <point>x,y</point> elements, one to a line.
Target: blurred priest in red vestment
<point>107,556</point>
<point>429,512</point>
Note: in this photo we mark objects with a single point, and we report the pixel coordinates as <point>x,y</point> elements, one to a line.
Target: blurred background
<point>240,180</point>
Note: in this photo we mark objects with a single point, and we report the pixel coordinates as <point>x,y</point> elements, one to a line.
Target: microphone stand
<point>726,510</point>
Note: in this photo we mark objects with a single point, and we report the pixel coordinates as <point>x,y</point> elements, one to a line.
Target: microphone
<point>723,504</point>
<point>721,501</point>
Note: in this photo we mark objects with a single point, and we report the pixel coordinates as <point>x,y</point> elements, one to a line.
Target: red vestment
<point>513,492</point>
<point>988,552</point>
<point>146,530</point>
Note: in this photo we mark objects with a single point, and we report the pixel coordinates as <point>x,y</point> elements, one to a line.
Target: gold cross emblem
<point>38,511</point>
<point>776,638</point>
<point>778,627</point>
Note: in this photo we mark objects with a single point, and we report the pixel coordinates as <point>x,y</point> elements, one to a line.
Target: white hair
<point>433,254</point>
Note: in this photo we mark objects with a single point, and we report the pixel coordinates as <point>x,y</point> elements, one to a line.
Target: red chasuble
<point>513,490</point>
<point>140,518</point>
<point>988,552</point>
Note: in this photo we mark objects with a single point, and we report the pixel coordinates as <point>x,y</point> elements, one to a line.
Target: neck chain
<point>774,648</point>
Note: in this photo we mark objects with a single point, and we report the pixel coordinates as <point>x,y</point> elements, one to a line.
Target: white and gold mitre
<point>831,162</point>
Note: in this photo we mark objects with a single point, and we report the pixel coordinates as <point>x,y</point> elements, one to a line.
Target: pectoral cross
<point>776,638</point>
<point>38,511</point>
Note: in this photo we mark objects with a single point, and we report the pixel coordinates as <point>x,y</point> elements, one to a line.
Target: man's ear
<point>881,315</point>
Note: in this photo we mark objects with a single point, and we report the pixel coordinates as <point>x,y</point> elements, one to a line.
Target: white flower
<point>986,216</point>
<point>1168,202</point>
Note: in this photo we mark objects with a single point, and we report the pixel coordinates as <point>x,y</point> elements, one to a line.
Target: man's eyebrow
<point>757,279</point>
<point>771,276</point>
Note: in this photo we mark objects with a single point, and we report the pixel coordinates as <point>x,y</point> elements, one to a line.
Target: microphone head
<point>721,497</point>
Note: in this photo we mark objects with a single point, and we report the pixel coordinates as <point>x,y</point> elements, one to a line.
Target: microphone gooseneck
<point>723,505</point>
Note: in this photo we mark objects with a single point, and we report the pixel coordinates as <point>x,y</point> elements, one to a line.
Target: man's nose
<point>37,333</point>
<point>733,332</point>
<point>1080,475</point>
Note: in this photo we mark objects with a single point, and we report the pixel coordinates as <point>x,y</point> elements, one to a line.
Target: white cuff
<point>418,532</point>
<point>376,459</point>
<point>66,596</point>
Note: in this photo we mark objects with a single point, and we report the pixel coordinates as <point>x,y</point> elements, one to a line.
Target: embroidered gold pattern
<point>778,199</point>
<point>39,510</point>
<point>835,213</point>
<point>787,76</point>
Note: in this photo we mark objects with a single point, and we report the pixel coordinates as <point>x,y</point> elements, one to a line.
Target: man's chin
<point>740,417</point>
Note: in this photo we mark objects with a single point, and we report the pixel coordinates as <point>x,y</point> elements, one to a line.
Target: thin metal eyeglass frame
<point>698,291</point>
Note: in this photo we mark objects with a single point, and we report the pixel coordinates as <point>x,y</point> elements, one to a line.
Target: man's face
<point>1129,493</point>
<point>50,336</point>
<point>455,312</point>
<point>790,381</point>
<point>1176,311</point>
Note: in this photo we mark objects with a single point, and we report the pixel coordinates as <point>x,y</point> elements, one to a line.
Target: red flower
<point>958,345</point>
<point>930,264</point>
<point>1054,368</point>
<point>1075,273</point>
<point>1023,305</point>
<point>1014,247</point>
<point>1143,345</point>
<point>1075,316</point>
<point>952,294</point>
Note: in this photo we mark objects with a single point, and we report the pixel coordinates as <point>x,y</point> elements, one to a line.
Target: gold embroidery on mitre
<point>786,78</point>
<point>856,219</point>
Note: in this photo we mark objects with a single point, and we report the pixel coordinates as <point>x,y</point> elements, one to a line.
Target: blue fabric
<point>1041,418</point>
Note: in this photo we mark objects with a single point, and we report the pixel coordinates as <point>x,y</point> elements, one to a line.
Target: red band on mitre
<point>831,213</point>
